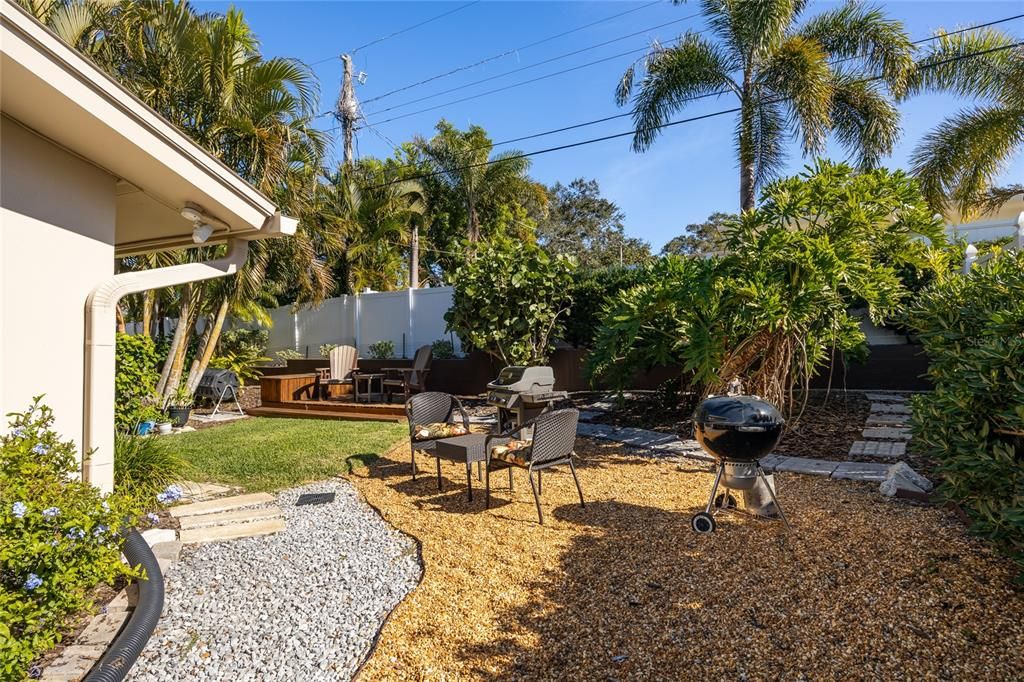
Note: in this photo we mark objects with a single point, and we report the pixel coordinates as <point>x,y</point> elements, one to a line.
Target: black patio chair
<point>553,444</point>
<point>424,409</point>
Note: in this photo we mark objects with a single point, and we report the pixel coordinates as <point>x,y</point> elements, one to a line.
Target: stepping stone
<point>68,669</point>
<point>887,433</point>
<point>861,471</point>
<point>769,462</point>
<point>885,398</point>
<point>232,531</point>
<point>877,448</point>
<point>887,420</point>
<point>155,536</point>
<point>883,408</point>
<point>102,628</point>
<point>234,516</point>
<point>590,415</point>
<point>221,504</point>
<point>803,465</point>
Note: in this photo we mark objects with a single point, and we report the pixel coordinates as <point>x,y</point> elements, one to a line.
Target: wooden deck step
<point>234,516</point>
<point>222,504</point>
<point>231,531</point>
<point>323,414</point>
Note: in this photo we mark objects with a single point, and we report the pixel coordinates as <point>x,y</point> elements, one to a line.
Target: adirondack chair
<point>343,361</point>
<point>409,380</point>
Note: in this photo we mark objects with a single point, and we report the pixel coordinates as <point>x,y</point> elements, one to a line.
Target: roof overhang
<point>52,89</point>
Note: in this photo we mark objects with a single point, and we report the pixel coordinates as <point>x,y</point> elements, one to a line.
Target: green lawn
<point>261,453</point>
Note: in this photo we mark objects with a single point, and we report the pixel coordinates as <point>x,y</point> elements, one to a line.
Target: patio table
<point>369,378</point>
<point>468,449</point>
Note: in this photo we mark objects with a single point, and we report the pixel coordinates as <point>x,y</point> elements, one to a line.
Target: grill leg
<point>782,514</point>
<point>572,468</point>
<point>536,497</point>
<point>714,488</point>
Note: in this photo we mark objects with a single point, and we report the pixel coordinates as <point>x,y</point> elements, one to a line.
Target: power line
<point>670,124</point>
<point>535,64</point>
<point>713,94</point>
<point>513,85</point>
<point>616,56</point>
<point>401,31</point>
<point>506,53</point>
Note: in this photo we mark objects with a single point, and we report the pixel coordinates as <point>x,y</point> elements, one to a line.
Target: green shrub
<point>135,398</point>
<point>60,539</point>
<point>770,309</point>
<point>382,350</point>
<point>591,290</point>
<point>143,466</point>
<point>243,340</point>
<point>442,349</point>
<point>326,348</point>
<point>510,300</point>
<point>287,354</point>
<point>972,328</point>
<point>242,362</point>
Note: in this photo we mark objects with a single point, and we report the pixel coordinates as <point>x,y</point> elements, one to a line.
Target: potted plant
<point>180,406</point>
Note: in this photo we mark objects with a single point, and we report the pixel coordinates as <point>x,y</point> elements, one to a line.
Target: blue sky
<point>689,173</point>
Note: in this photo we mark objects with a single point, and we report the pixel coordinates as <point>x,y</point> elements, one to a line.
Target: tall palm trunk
<point>211,335</point>
<point>472,220</point>
<point>747,149</point>
<point>414,257</point>
<point>147,311</point>
<point>170,376</point>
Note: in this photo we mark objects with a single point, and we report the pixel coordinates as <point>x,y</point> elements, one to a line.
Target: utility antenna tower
<point>348,108</point>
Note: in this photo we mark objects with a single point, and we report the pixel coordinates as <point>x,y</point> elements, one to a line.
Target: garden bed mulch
<point>623,589</point>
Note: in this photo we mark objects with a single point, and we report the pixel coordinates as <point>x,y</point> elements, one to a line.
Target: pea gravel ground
<point>866,589</point>
<point>304,604</point>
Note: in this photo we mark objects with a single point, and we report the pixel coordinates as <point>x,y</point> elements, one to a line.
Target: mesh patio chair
<point>553,444</point>
<point>344,360</point>
<point>409,380</point>
<point>427,412</point>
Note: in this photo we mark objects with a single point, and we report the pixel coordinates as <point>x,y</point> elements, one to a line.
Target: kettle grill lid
<point>732,411</point>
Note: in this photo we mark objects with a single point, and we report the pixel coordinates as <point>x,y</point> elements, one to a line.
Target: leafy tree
<point>482,182</point>
<point>959,160</point>
<point>700,238</point>
<point>510,300</point>
<point>770,310</point>
<point>591,290</point>
<point>972,424</point>
<point>786,78</point>
<point>582,223</point>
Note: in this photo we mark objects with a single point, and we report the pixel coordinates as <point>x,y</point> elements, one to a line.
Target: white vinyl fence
<point>409,319</point>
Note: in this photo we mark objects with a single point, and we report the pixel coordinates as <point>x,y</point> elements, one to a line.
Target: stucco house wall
<point>56,243</point>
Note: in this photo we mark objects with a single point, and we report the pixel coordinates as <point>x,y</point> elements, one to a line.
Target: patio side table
<point>369,378</point>
<point>468,449</point>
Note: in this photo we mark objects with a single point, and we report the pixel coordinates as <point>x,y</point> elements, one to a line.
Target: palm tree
<point>377,212</point>
<point>205,74</point>
<point>960,159</point>
<point>74,21</point>
<point>790,81</point>
<point>463,161</point>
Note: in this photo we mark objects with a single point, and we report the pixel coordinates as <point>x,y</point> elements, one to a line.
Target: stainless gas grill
<point>522,393</point>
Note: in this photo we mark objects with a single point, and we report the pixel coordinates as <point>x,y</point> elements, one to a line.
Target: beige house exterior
<point>89,173</point>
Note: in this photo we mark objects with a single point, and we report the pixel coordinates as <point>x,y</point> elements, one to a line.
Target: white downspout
<point>100,337</point>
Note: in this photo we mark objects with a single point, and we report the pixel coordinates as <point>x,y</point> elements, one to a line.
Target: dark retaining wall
<point>891,368</point>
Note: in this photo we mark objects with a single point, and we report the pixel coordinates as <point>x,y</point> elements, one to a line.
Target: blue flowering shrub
<point>58,539</point>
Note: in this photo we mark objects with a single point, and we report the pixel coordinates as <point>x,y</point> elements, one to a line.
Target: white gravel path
<point>303,604</point>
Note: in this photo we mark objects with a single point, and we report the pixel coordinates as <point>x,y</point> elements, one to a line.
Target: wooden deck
<point>294,395</point>
<point>302,409</point>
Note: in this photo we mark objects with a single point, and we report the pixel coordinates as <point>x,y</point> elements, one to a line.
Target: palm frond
<point>798,72</point>
<point>864,121</point>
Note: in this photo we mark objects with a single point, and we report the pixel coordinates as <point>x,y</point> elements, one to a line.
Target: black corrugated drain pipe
<point>125,650</point>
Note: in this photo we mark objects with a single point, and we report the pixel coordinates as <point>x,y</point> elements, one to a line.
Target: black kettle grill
<point>737,430</point>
